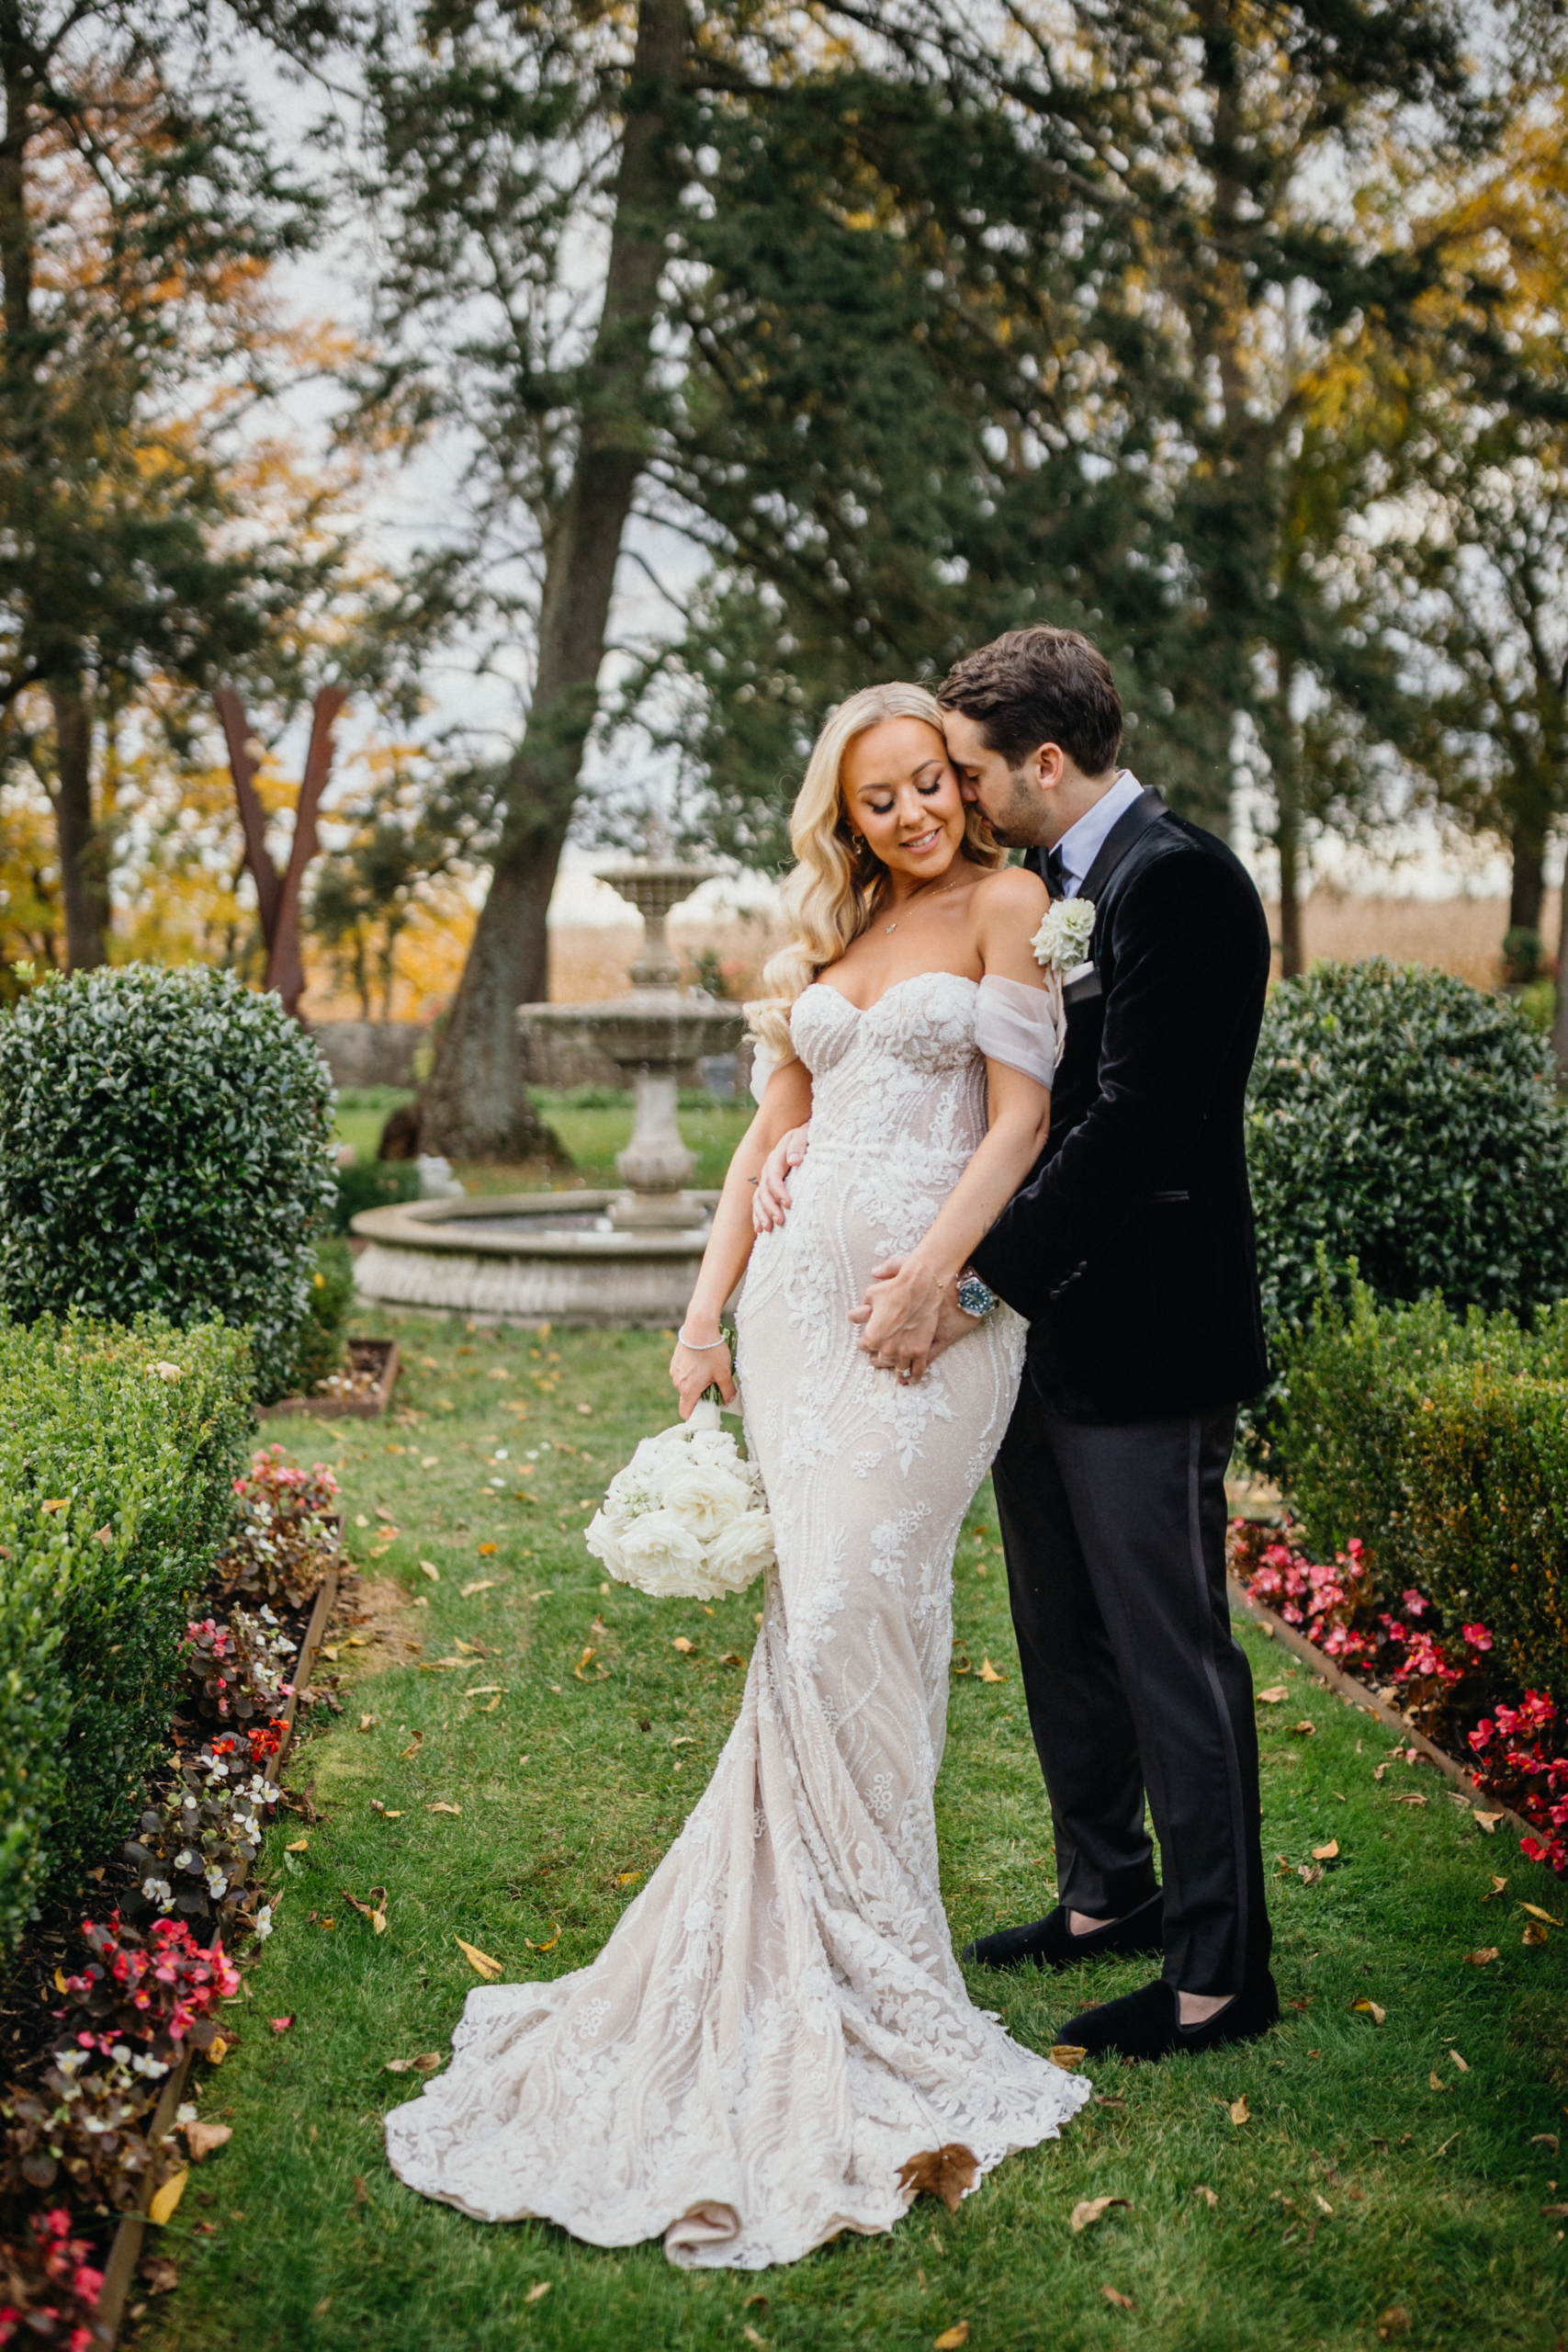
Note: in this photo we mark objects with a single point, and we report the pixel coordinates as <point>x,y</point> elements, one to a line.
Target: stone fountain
<point>582,1258</point>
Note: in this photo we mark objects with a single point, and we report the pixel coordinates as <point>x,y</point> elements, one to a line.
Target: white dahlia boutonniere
<point>1060,943</point>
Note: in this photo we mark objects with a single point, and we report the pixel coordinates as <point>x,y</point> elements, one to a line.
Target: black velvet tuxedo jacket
<point>1131,1249</point>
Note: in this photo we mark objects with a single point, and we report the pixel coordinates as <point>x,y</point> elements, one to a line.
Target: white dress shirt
<point>1082,843</point>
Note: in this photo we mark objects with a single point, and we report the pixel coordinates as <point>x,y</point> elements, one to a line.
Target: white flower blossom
<point>186,2112</point>
<point>263,1923</point>
<point>1060,943</point>
<point>158,1891</point>
<point>743,1551</point>
<point>664,1558</point>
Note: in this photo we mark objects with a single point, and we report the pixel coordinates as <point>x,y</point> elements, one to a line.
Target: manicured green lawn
<point>592,1137</point>
<point>1358,2184</point>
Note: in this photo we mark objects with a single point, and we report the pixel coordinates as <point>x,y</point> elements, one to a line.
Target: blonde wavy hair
<point>831,893</point>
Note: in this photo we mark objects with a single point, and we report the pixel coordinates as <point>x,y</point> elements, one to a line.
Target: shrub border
<point>125,2248</point>
<point>1345,1686</point>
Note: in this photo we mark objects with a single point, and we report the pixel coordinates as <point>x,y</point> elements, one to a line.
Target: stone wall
<point>370,1053</point>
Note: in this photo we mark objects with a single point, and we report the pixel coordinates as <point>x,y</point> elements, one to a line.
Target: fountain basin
<point>532,1258</point>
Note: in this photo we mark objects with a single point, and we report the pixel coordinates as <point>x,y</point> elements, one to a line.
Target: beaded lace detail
<point>778,2023</point>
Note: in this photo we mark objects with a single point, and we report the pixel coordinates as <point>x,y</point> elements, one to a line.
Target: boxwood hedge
<point>118,1454</point>
<point>164,1149</point>
<point>1405,1122</point>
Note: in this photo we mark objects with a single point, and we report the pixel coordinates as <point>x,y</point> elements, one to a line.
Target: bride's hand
<point>899,1316</point>
<point>769,1202</point>
<point>695,1369</point>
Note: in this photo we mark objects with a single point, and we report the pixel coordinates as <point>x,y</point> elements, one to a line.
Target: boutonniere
<point>1060,943</point>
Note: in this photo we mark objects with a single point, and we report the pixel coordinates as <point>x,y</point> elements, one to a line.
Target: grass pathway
<point>1376,2173</point>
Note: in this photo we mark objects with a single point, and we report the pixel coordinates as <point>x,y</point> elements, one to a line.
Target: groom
<point>1130,1253</point>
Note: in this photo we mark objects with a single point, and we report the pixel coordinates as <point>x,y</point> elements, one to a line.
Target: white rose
<point>661,1556</point>
<point>743,1550</point>
<point>603,1540</point>
<point>1062,941</point>
<point>705,1496</point>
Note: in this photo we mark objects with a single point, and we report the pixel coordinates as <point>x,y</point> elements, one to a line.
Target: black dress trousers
<point>1114,1537</point>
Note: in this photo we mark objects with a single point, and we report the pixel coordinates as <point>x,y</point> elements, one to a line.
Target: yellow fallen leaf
<point>1370,2009</point>
<point>1435,2080</point>
<point>469,1649</point>
<point>217,2051</point>
<point>582,1661</point>
<point>328,1649</point>
<point>482,1583</point>
<point>58,1502</point>
<point>431,1570</point>
<point>486,1549</point>
<point>1090,2209</point>
<point>484,1689</point>
<point>681,1644</point>
<point>1326,1854</point>
<point>1536,1912</point>
<point>989,1672</point>
<point>489,1706</point>
<point>368,1722</point>
<point>59,1983</point>
<point>1068,2054</point>
<point>624,1878</point>
<point>202,2137</point>
<point>1272,1698</point>
<point>550,1946</point>
<point>1460,2061</point>
<point>357,1641</point>
<point>951,2337</point>
<point>166,2199</point>
<point>444,1807</point>
<point>1239,2110</point>
<point>1488,1821</point>
<point>537,2293</point>
<point>1534,1933</point>
<point>480,1962</point>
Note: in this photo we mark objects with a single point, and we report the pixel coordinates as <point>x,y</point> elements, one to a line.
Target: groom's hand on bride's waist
<point>907,1318</point>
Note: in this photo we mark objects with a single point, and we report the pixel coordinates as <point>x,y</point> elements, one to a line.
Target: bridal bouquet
<point>687,1519</point>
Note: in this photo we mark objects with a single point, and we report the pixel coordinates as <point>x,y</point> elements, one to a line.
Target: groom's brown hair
<point>1040,685</point>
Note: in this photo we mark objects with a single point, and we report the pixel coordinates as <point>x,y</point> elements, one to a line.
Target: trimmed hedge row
<point>118,1455</point>
<point>1442,1444</point>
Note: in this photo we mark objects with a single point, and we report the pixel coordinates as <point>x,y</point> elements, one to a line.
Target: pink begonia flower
<point>1477,1636</point>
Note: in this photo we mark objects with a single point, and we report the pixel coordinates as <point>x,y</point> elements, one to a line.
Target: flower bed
<point>93,2122</point>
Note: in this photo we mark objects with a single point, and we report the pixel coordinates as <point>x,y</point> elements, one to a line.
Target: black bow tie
<point>1056,873</point>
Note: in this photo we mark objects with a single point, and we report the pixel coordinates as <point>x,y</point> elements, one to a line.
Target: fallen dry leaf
<point>431,1570</point>
<point>368,1722</point>
<point>373,1908</point>
<point>750,2333</point>
<point>1208,2195</point>
<point>624,1878</point>
<point>1394,2322</point>
<point>1479,1959</point>
<point>1497,1886</point>
<point>1309,1874</point>
<point>682,1645</point>
<point>444,1807</point>
<point>537,2291</point>
<point>1090,2210</point>
<point>1459,2062</point>
<point>482,1691</point>
<point>166,2199</point>
<point>550,1946</point>
<point>1554,2212</point>
<point>732,1658</point>
<point>1435,2080</point>
<point>1239,2110</point>
<point>413,1749</point>
<point>480,1584</point>
<point>1378,1772</point>
<point>202,2137</point>
<point>1536,1912</point>
<point>159,2274</point>
<point>361,2194</point>
<point>582,1661</point>
<point>1545,2140</point>
<point>427,2063</point>
<point>1370,2009</point>
<point>940,2172</point>
<point>951,2337</point>
<point>300,1846</point>
<point>1305,1728</point>
<point>1122,2302</point>
<point>486,1549</point>
<point>1534,1933</point>
<point>1410,1796</point>
<point>1326,1854</point>
<point>217,2050</point>
<point>1067,2054</point>
<point>1271,1698</point>
<point>480,1962</point>
<point>1488,1821</point>
<point>989,1672</point>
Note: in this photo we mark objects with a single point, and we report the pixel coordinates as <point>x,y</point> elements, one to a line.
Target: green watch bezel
<point>974,1296</point>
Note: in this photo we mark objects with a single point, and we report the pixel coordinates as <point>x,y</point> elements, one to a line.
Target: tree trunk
<point>83,867</point>
<point>1288,840</point>
<point>476,1104</point>
<point>1529,882</point>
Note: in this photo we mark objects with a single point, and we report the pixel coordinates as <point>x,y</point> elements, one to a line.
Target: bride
<point>778,2024</point>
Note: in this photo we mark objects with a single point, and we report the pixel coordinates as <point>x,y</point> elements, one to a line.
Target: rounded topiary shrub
<point>1400,1120</point>
<point>164,1149</point>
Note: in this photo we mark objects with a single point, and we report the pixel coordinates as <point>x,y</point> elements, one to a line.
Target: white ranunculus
<point>705,1495</point>
<point>1062,941</point>
<point>743,1551</point>
<point>602,1538</point>
<point>663,1557</point>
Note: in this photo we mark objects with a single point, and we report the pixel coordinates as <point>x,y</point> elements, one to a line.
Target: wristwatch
<point>974,1297</point>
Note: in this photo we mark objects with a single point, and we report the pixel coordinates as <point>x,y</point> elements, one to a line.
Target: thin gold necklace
<point>927,893</point>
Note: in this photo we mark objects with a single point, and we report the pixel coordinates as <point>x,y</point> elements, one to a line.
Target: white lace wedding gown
<point>777,2022</point>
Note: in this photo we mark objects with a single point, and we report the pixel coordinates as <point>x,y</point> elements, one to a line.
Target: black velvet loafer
<point>1051,1943</point>
<point>1146,2024</point>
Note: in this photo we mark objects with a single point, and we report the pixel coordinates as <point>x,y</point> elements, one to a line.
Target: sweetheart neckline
<point>865,1011</point>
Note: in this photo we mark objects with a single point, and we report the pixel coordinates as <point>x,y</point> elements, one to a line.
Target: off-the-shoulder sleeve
<point>764,1064</point>
<point>1018,1025</point>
